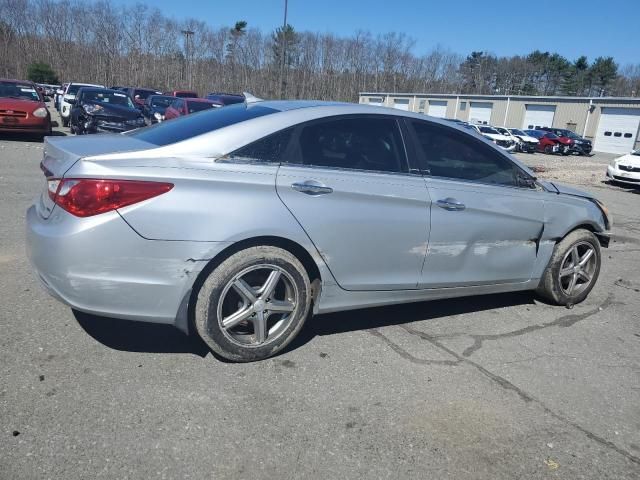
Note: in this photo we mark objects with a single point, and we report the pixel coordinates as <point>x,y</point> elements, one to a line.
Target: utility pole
<point>283,50</point>
<point>188,41</point>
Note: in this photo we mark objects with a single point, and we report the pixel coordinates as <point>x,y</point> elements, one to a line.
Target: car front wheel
<point>573,269</point>
<point>253,304</point>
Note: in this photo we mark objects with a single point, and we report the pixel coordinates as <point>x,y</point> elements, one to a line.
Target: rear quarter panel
<point>210,201</point>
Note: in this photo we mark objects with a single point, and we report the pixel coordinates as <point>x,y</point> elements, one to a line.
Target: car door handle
<point>311,187</point>
<point>450,204</point>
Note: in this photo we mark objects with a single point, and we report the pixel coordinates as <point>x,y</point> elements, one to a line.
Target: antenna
<point>249,98</point>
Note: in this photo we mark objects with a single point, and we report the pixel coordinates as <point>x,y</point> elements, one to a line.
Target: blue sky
<point>569,27</point>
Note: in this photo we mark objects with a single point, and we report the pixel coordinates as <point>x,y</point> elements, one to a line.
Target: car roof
<point>99,89</point>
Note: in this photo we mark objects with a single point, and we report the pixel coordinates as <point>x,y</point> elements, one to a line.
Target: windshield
<point>143,94</point>
<point>190,126</point>
<point>575,136</point>
<point>515,131</point>
<point>162,102</point>
<point>186,95</point>
<point>552,136</point>
<point>19,91</point>
<point>489,130</point>
<point>108,97</point>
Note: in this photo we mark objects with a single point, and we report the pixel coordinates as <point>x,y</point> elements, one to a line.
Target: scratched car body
<point>239,223</point>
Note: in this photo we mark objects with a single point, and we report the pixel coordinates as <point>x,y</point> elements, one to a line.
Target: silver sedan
<point>239,223</point>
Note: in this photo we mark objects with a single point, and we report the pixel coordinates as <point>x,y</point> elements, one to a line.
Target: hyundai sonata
<point>238,223</point>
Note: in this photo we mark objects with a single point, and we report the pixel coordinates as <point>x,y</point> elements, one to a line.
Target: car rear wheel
<point>253,304</point>
<point>548,149</point>
<point>65,122</point>
<point>573,269</point>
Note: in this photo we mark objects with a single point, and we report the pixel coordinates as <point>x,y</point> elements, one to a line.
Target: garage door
<point>377,101</point>
<point>480,112</point>
<point>538,116</point>
<point>401,103</point>
<point>617,130</point>
<point>438,108</point>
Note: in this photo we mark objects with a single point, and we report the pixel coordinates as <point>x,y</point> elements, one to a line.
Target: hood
<point>528,139</point>
<point>117,111</point>
<point>22,105</point>
<point>565,190</point>
<point>493,136</point>
<point>629,159</point>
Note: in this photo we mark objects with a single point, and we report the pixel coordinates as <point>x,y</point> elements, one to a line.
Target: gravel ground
<point>571,169</point>
<point>493,387</point>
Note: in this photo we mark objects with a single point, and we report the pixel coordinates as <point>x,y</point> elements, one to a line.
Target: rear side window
<point>363,143</point>
<point>190,126</point>
<point>451,154</point>
<point>269,149</point>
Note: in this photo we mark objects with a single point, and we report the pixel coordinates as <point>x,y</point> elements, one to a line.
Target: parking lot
<point>495,387</point>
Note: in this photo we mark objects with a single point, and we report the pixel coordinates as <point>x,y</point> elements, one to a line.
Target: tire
<point>239,291</point>
<point>65,122</point>
<point>558,289</point>
<point>548,150</point>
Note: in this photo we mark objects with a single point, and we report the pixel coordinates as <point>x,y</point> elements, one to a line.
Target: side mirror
<point>526,181</point>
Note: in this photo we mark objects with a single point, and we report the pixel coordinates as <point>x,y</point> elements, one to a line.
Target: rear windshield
<point>189,126</point>
<point>199,106</point>
<point>162,102</point>
<point>186,94</point>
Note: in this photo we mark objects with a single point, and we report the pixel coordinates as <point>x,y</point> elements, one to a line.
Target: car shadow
<point>131,336</point>
<point>365,319</point>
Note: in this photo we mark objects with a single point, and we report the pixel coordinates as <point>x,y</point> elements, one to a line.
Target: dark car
<point>155,106</point>
<point>549,142</point>
<point>97,110</point>
<point>182,93</point>
<point>22,108</point>
<point>185,106</point>
<point>225,98</point>
<point>580,145</point>
<point>139,95</point>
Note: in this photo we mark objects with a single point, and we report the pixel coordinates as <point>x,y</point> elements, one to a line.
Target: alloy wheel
<point>257,305</point>
<point>577,268</point>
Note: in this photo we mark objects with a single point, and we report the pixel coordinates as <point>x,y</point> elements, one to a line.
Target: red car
<point>551,143</point>
<point>182,93</point>
<point>185,106</point>
<point>22,108</point>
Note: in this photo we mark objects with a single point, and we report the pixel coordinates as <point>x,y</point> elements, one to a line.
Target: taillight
<point>84,197</point>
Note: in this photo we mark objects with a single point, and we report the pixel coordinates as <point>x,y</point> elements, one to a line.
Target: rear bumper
<point>99,265</point>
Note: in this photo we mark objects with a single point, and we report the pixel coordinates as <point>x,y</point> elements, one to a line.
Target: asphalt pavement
<point>493,387</point>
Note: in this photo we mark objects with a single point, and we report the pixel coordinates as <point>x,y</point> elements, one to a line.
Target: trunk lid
<point>61,153</point>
